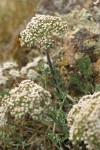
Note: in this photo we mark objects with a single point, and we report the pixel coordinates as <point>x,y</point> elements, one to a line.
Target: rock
<point>83,36</point>
<point>82,40</point>
<point>63,6</point>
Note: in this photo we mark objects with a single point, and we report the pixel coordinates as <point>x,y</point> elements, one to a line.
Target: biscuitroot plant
<point>45,32</point>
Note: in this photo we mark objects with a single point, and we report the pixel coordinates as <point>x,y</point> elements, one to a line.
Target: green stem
<point>52,72</point>
<point>53,76</point>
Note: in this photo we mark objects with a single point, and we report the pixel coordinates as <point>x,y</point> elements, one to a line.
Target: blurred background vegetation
<point>13,14</point>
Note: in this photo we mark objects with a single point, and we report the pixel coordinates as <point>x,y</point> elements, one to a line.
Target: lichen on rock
<point>83,39</point>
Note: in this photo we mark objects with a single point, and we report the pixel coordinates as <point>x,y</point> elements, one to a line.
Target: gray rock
<point>52,7</point>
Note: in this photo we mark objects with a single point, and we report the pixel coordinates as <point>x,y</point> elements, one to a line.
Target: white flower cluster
<point>27,99</point>
<point>32,74</point>
<point>3,79</point>
<point>84,121</point>
<point>7,70</point>
<point>42,31</point>
<point>9,65</point>
<point>14,73</point>
<point>29,68</point>
<point>28,71</point>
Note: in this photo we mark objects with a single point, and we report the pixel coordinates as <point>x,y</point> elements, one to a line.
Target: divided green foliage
<point>60,129</point>
<point>55,81</point>
<point>58,132</point>
<point>84,66</point>
<point>59,116</point>
<point>82,81</point>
